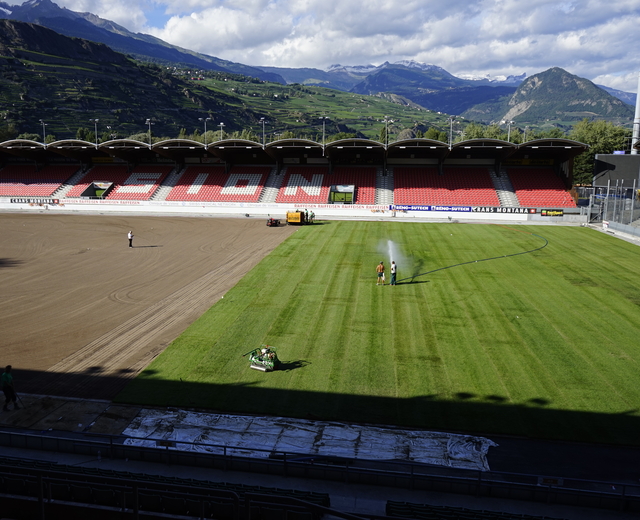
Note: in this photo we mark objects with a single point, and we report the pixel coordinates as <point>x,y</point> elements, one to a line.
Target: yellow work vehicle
<point>295,217</point>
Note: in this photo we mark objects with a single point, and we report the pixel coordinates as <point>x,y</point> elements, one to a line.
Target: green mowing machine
<point>263,358</point>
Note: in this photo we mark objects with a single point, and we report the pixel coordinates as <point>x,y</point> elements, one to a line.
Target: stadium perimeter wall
<point>322,211</point>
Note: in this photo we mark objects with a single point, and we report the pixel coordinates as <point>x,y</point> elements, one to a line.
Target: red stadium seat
<point>311,184</point>
<point>540,187</point>
<point>138,184</point>
<point>458,186</point>
<point>212,183</point>
<point>25,181</point>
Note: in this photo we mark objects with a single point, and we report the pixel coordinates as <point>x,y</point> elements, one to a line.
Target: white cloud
<point>589,38</point>
<point>625,82</point>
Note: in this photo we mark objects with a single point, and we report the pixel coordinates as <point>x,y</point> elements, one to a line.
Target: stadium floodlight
<point>386,130</point>
<point>508,123</point>
<point>95,129</point>
<point>112,135</point>
<point>149,123</point>
<point>263,121</point>
<point>221,127</point>
<point>205,119</point>
<point>451,120</point>
<point>324,122</point>
<point>44,136</point>
<point>635,133</point>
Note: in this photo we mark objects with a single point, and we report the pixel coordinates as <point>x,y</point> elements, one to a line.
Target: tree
<point>495,132</point>
<point>602,137</point>
<point>516,135</point>
<point>341,135</point>
<point>143,137</point>
<point>8,132</point>
<point>249,135</point>
<point>474,131</point>
<point>30,137</point>
<point>549,133</point>
<point>383,135</point>
<point>81,134</point>
<point>435,134</point>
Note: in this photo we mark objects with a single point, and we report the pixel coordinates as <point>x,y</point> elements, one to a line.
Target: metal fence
<point>615,204</point>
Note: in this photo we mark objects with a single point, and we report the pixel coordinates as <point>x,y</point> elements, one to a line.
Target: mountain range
<point>526,100</point>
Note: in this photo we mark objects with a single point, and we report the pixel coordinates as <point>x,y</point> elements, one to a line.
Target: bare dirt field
<point>81,313</point>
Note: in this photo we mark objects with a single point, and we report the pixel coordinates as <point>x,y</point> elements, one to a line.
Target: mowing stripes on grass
<point>541,344</point>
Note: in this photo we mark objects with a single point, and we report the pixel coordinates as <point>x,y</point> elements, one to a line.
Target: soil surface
<point>81,313</point>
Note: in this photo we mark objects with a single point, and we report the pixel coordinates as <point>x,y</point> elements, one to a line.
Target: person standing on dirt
<point>130,237</point>
<point>380,271</point>
<point>7,388</point>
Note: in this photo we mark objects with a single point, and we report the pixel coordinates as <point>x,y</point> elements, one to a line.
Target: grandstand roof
<point>76,149</point>
<point>344,150</point>
<point>238,150</point>
<point>178,149</point>
<point>294,148</point>
<point>417,149</point>
<point>127,149</point>
<point>557,149</point>
<point>24,148</point>
<point>482,149</point>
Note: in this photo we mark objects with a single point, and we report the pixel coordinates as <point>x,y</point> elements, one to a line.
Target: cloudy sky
<point>590,38</point>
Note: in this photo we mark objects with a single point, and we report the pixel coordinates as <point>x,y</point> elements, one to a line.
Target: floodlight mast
<point>44,136</point>
<point>95,132</point>
<point>205,119</point>
<point>386,130</point>
<point>149,123</point>
<point>636,122</point>
<point>451,120</point>
<point>508,123</point>
<point>263,121</point>
<point>324,121</point>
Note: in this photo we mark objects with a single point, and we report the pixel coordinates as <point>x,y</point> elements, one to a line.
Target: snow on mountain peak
<point>361,69</point>
<point>412,64</point>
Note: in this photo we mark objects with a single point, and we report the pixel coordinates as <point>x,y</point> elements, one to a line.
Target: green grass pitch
<point>544,344</point>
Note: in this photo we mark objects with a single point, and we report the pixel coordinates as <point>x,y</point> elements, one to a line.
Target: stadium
<point>512,319</point>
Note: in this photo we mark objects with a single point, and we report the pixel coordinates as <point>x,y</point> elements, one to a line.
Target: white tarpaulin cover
<point>243,434</point>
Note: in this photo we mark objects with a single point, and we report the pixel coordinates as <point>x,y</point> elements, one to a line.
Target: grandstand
<point>457,186</point>
<point>540,187</point>
<point>26,180</point>
<point>311,184</point>
<point>213,183</point>
<point>119,183</point>
<point>417,174</point>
